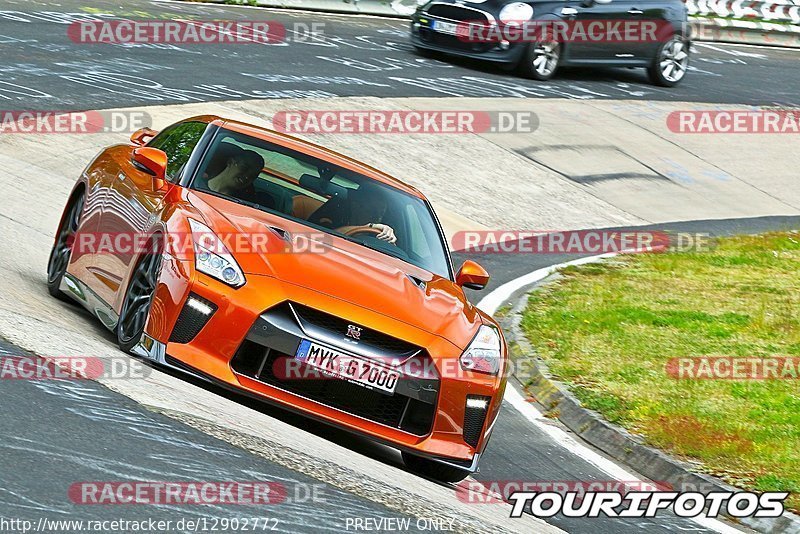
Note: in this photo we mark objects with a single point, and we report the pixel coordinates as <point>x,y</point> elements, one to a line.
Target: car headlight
<point>516,12</point>
<point>213,258</point>
<point>484,353</point>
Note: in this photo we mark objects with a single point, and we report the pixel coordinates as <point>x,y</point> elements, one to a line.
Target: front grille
<point>262,363</point>
<point>459,13</point>
<point>474,417</point>
<point>452,42</point>
<point>276,335</point>
<point>191,321</point>
<point>340,394</point>
<point>335,327</point>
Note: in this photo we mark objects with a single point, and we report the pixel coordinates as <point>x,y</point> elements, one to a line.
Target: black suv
<point>445,26</point>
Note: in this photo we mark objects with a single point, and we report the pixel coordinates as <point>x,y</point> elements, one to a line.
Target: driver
<point>363,208</point>
<point>241,170</point>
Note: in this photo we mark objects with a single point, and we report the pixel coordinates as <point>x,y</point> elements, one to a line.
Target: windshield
<point>338,201</point>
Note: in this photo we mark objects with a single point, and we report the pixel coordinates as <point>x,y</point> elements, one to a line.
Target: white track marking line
<point>490,303</point>
<point>745,45</point>
<point>737,53</point>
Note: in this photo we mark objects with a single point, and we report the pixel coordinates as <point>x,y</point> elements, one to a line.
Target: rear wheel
<point>540,60</point>
<point>432,469</point>
<point>671,63</point>
<point>138,300</point>
<point>62,248</point>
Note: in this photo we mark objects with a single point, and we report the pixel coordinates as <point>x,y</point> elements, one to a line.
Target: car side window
<point>178,142</point>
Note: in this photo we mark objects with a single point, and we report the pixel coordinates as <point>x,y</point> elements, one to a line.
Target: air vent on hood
<point>282,233</point>
<point>419,282</point>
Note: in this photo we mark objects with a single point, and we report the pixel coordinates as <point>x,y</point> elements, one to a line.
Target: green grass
<point>607,330</point>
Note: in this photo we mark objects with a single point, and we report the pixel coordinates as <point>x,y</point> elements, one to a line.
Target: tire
<point>61,252</point>
<point>671,62</point>
<point>432,469</point>
<point>138,300</point>
<point>540,61</point>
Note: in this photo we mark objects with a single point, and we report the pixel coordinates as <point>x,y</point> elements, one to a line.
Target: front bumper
<point>422,36</point>
<point>252,325</point>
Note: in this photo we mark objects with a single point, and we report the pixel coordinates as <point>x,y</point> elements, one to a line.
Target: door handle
<point>569,11</point>
<point>634,11</point>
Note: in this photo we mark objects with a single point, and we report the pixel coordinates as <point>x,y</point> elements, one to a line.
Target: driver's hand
<point>387,233</point>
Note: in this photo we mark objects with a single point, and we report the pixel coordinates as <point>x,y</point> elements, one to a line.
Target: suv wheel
<point>671,62</point>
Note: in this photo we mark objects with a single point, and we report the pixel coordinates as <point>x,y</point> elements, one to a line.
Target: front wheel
<point>540,60</point>
<point>432,469</point>
<point>138,300</point>
<point>62,248</point>
<point>671,63</point>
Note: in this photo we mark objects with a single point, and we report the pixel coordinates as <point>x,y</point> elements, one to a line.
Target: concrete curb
<point>744,32</point>
<point>612,439</point>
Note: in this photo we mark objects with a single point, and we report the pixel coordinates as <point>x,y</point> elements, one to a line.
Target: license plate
<point>348,367</point>
<point>449,28</point>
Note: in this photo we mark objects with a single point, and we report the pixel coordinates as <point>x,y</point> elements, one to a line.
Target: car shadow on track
<point>354,442</point>
<point>634,76</point>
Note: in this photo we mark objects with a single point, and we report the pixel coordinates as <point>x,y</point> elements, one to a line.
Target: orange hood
<point>344,270</point>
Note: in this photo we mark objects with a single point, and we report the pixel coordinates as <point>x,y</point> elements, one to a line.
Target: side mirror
<point>152,161</point>
<point>472,276</point>
<point>142,136</point>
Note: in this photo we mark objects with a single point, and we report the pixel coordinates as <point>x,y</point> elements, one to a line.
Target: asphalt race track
<point>54,434</point>
<point>358,56</point>
<point>108,438</point>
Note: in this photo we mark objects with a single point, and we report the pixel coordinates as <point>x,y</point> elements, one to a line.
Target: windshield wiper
<point>241,201</point>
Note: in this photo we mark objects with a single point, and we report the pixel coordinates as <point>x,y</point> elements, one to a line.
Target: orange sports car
<point>289,272</point>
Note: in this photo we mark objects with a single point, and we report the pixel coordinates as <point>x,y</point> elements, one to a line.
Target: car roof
<point>309,148</point>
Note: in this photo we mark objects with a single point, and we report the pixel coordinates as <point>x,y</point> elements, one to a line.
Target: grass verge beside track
<point>608,331</point>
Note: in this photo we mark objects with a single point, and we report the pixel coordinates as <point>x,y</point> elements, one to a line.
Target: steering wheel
<point>350,231</point>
